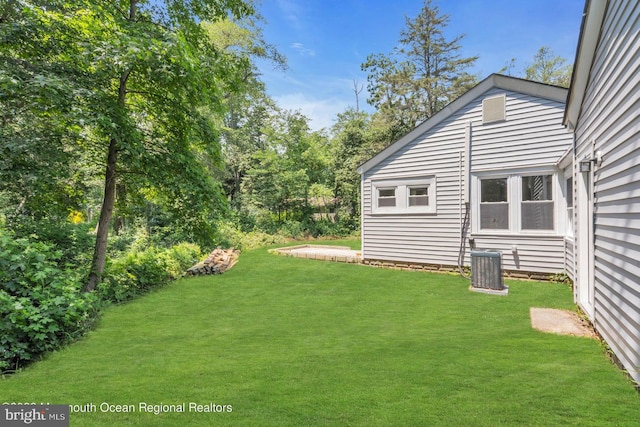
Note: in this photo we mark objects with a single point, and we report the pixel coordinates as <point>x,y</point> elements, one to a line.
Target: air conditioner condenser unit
<point>486,272</point>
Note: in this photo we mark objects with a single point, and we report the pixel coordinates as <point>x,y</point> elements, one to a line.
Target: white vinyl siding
<point>609,123</point>
<point>532,135</point>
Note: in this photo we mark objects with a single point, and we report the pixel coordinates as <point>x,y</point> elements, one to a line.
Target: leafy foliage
<point>549,68</point>
<point>41,307</point>
<point>422,75</point>
<point>141,270</point>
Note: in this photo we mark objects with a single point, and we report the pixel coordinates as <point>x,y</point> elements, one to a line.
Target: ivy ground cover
<point>289,342</point>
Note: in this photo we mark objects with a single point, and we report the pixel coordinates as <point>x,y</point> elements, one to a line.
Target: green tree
<point>138,83</point>
<point>350,142</point>
<point>247,107</point>
<point>292,167</point>
<point>40,123</point>
<point>549,68</point>
<point>164,77</point>
<point>422,75</point>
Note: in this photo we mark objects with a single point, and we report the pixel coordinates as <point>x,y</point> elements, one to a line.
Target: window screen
<point>494,205</point>
<point>570,207</point>
<point>386,197</point>
<point>537,202</point>
<point>419,196</point>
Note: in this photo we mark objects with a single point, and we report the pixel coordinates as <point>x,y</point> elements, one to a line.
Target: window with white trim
<point>569,189</point>
<point>517,203</point>
<point>419,196</point>
<point>537,203</point>
<point>494,204</point>
<point>386,197</point>
<point>415,195</point>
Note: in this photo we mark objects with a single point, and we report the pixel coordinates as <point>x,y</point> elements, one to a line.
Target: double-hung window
<point>537,203</point>
<point>419,196</point>
<point>494,204</point>
<point>386,197</point>
<point>411,195</point>
<point>516,204</point>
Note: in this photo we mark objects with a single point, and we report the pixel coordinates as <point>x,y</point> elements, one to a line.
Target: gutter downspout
<point>465,171</point>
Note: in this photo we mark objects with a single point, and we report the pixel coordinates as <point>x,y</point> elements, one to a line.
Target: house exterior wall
<point>609,123</point>
<point>531,138</point>
<point>423,238</point>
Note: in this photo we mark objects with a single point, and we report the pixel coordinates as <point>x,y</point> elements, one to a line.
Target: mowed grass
<point>294,342</point>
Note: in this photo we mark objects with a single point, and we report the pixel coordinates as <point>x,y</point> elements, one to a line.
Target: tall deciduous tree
<point>350,141</point>
<point>138,82</point>
<point>247,106</point>
<point>422,75</point>
<point>164,74</point>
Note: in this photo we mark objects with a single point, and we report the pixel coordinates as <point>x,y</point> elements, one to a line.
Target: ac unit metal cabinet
<point>486,270</point>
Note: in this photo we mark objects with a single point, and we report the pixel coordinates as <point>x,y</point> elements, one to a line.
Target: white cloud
<point>303,51</point>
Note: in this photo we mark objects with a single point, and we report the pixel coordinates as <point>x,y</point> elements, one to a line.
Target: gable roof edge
<point>590,28</point>
<point>541,90</point>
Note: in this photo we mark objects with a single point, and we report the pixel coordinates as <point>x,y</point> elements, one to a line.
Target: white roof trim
<point>541,90</point>
<point>566,159</point>
<point>590,28</point>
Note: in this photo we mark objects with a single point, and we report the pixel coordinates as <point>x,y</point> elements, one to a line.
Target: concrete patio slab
<point>321,252</point>
<point>561,322</point>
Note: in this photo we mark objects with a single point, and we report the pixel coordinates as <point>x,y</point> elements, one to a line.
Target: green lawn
<point>293,342</point>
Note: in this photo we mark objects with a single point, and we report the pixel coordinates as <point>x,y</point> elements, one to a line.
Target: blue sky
<point>326,41</point>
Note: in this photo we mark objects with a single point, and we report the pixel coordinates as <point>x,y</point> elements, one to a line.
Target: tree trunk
<point>108,202</point>
<point>100,250</point>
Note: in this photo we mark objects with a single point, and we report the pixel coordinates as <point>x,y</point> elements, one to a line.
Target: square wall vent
<point>493,109</point>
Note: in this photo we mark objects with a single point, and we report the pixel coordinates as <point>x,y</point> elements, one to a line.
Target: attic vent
<point>486,270</point>
<point>493,109</point>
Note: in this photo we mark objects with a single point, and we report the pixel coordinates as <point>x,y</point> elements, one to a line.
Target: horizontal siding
<point>569,258</point>
<point>532,135</point>
<point>533,254</point>
<point>610,118</point>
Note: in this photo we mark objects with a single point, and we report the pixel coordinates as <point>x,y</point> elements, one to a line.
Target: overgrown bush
<point>41,305</point>
<point>180,257</point>
<point>74,240</point>
<point>230,236</point>
<point>141,270</point>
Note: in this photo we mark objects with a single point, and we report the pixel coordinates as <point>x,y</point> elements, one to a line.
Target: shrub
<point>41,306</point>
<point>74,240</point>
<point>180,257</point>
<point>132,274</point>
<point>141,270</point>
<point>293,229</point>
<point>230,236</point>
